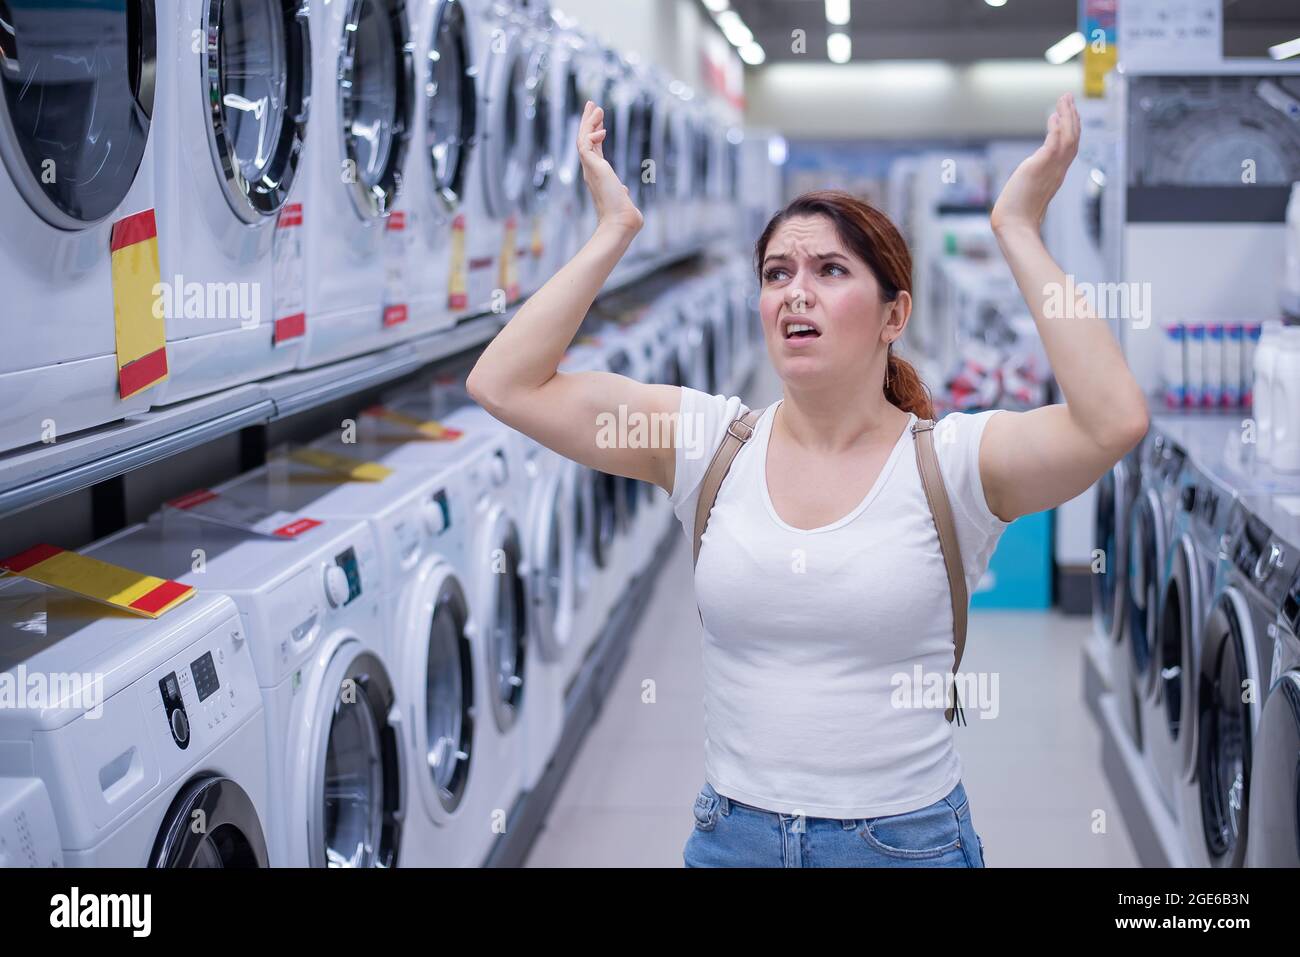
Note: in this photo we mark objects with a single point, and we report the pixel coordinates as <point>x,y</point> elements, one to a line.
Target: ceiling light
<point>837,12</point>
<point>1283,50</point>
<point>752,53</point>
<point>839,47</point>
<point>1066,48</point>
<point>996,3</point>
<point>734,28</point>
<point>716,6</point>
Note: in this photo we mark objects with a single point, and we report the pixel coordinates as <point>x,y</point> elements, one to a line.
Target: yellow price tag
<point>349,468</point>
<point>113,585</point>
<point>429,428</point>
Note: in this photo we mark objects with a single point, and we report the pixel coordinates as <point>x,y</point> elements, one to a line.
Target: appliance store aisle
<point>1033,772</point>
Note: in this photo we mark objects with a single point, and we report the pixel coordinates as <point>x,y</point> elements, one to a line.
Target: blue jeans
<point>730,834</point>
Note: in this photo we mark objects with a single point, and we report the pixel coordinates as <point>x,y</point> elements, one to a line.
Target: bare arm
<point>517,379</point>
<point>1035,460</point>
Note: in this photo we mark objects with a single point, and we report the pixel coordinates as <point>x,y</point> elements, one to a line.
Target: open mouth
<point>798,329</point>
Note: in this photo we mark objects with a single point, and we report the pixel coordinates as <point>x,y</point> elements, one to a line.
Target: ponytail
<point>904,388</point>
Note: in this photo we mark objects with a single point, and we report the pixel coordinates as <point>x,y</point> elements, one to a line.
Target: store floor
<point>1033,774</point>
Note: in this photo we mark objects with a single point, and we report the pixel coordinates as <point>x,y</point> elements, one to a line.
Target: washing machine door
<point>568,164</point>
<point>1146,559</point>
<point>640,122</point>
<point>1275,782</point>
<point>1110,538</point>
<point>1180,615</point>
<point>231,836</point>
<point>539,114</point>
<point>505,615</point>
<point>76,102</point>
<point>451,109</point>
<point>257,70</point>
<point>375,88</point>
<point>583,509</point>
<point>355,816</point>
<point>1226,724</point>
<point>509,131</point>
<point>550,562</point>
<point>442,709</point>
<point>627,495</point>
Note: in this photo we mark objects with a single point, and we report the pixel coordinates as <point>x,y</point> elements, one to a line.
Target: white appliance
<point>138,728</point>
<point>234,92</point>
<point>576,62</point>
<point>1108,641</point>
<point>1199,197</point>
<point>493,223</point>
<point>362,104</point>
<point>496,584</point>
<point>75,106</point>
<point>29,835</point>
<point>311,609</point>
<point>436,194</point>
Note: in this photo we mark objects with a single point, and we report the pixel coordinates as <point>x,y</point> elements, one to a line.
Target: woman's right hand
<point>613,201</point>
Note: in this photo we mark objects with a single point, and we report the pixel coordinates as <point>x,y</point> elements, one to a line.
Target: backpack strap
<point>927,462</point>
<point>740,431</point>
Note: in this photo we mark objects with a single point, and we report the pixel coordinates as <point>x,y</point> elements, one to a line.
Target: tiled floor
<point>1038,795</point>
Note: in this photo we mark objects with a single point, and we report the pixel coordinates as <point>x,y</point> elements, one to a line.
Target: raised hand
<point>1024,199</point>
<point>613,202</point>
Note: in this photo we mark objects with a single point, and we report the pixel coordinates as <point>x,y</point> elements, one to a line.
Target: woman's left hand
<point>1031,187</point>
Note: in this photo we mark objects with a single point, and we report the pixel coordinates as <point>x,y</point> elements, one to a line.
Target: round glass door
<point>232,836</point>
<point>540,118</point>
<point>76,104</point>
<point>451,91</point>
<point>1105,539</point>
<point>510,150</point>
<point>508,628</point>
<point>1274,820</point>
<point>258,74</point>
<point>448,696</point>
<point>1224,732</point>
<point>1144,586</point>
<point>375,71</point>
<point>605,494</point>
<point>568,166</point>
<point>361,797</point>
<point>584,546</point>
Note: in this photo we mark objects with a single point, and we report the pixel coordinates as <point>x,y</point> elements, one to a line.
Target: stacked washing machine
<point>1209,623</point>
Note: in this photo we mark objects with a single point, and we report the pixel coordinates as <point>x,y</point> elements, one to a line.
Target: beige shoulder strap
<point>740,431</point>
<point>927,462</point>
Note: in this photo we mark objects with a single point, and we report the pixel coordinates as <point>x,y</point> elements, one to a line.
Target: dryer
<point>440,171</point>
<point>136,728</point>
<point>76,102</point>
<point>230,125</point>
<point>310,604</point>
<point>362,100</point>
<point>1248,656</point>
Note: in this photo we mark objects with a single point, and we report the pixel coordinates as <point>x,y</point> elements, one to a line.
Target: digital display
<point>348,562</point>
<point>205,676</point>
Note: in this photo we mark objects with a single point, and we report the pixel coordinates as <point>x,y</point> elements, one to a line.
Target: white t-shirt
<point>805,631</point>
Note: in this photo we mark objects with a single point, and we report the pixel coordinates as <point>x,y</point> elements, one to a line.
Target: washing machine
<point>29,835</point>
<point>1116,491</point>
<point>1273,815</point>
<point>498,582</point>
<point>440,171</point>
<point>234,91</point>
<point>309,600</point>
<point>78,165</point>
<point>493,223</point>
<point>547,105</point>
<point>599,70</point>
<point>362,100</point>
<point>1150,530</point>
<point>1248,650</point>
<point>642,158</point>
<point>152,725</point>
<point>577,68</point>
<point>602,581</point>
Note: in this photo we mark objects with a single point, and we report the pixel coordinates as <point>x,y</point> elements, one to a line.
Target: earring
<point>886,369</point>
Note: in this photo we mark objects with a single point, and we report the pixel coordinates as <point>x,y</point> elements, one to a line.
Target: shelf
<point>37,474</point>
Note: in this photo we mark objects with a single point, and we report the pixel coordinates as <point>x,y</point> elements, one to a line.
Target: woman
<point>820,581</point>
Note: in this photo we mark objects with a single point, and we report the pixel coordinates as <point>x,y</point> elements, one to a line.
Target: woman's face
<point>810,278</point>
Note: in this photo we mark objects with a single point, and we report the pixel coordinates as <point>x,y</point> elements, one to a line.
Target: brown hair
<point>874,239</point>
